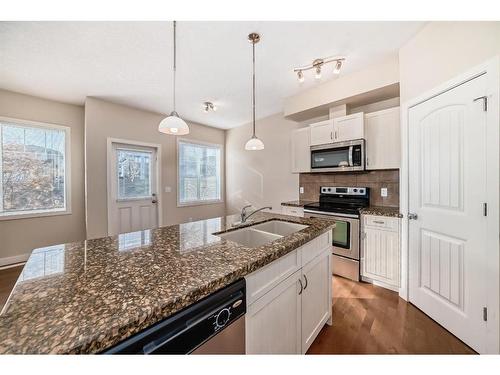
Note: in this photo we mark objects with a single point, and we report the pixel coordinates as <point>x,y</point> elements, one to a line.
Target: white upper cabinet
<point>301,152</point>
<point>348,128</point>
<point>383,141</point>
<point>321,132</point>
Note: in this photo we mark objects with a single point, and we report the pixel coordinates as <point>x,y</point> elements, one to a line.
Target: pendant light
<point>254,143</point>
<point>173,124</point>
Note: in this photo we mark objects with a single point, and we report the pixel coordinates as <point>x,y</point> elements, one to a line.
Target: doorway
<point>133,186</point>
<point>453,269</point>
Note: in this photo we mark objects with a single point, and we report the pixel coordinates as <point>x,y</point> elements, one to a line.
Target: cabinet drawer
<point>315,247</point>
<point>267,277</point>
<point>292,211</point>
<point>382,222</point>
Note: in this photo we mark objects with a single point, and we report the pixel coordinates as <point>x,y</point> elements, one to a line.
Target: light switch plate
<point>383,192</point>
<point>168,189</point>
<point>301,190</point>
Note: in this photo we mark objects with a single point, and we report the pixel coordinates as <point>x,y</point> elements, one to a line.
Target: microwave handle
<point>350,155</point>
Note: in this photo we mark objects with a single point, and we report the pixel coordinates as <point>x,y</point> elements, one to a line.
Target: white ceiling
<point>130,62</point>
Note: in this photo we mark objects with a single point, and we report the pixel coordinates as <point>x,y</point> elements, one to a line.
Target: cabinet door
<point>273,321</point>
<point>380,258</point>
<point>383,141</point>
<point>316,298</point>
<point>301,151</point>
<point>321,132</point>
<point>348,128</point>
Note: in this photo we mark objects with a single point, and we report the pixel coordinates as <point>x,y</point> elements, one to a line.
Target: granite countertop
<point>87,296</point>
<point>299,203</point>
<point>381,211</point>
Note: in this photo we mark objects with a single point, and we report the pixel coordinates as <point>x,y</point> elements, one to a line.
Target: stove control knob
<point>355,190</point>
<point>222,318</point>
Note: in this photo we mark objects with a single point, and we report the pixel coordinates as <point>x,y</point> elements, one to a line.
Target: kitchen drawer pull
<point>305,278</point>
<point>379,221</point>
<point>301,287</point>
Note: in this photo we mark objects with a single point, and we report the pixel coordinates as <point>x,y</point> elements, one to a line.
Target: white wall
<point>105,120</point>
<point>19,237</point>
<point>441,51</point>
<point>260,178</point>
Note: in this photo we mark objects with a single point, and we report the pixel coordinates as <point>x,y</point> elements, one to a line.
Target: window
<point>199,173</point>
<point>134,174</point>
<point>33,169</point>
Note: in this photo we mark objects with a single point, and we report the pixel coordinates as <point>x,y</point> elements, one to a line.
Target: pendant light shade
<point>254,143</point>
<point>173,124</point>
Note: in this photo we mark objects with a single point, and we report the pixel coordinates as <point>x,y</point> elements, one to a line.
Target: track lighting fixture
<point>209,106</point>
<point>317,65</point>
<point>300,76</point>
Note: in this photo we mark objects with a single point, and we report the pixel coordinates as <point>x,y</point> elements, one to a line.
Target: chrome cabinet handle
<point>301,287</point>
<point>412,216</point>
<point>305,278</point>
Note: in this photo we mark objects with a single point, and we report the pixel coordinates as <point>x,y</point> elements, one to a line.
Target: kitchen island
<point>85,297</point>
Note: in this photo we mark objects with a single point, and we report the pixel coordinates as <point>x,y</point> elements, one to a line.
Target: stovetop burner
<point>342,200</point>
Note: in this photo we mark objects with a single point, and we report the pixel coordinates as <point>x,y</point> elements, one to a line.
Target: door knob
<point>412,216</point>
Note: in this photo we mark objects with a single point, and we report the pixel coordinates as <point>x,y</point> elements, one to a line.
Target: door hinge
<point>485,209</point>
<point>485,314</point>
<point>485,102</point>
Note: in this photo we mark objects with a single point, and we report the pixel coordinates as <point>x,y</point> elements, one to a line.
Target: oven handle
<point>350,156</point>
<point>331,214</point>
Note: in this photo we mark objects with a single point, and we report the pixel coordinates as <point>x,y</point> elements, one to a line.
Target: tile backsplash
<point>375,180</point>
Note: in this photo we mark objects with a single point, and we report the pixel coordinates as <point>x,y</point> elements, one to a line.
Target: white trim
<point>222,156</point>
<point>109,151</point>
<point>13,261</point>
<point>491,68</point>
<point>67,171</point>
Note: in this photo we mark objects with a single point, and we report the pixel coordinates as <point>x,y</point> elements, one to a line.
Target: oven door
<point>345,235</point>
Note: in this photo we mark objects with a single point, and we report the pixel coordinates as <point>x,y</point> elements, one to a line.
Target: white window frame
<point>67,171</point>
<point>205,202</point>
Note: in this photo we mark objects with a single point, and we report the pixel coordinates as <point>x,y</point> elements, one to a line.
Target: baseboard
<point>8,262</point>
<point>380,283</point>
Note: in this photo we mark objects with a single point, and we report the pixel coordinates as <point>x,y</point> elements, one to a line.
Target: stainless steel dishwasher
<point>213,325</point>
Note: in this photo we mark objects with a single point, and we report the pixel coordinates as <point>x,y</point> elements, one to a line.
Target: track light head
<point>300,76</point>
<point>317,75</point>
<point>338,65</point>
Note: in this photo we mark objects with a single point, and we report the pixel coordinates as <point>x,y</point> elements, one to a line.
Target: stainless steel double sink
<point>261,234</point>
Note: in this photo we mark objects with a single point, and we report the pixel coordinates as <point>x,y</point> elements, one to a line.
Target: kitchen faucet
<point>245,216</point>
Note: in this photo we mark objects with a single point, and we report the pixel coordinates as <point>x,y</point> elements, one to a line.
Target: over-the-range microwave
<point>338,157</point>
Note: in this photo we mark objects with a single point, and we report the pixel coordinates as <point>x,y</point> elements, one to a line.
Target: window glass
<point>199,172</point>
<point>32,166</point>
<point>134,173</point>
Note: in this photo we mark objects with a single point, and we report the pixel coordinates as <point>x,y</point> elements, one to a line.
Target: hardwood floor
<point>8,278</point>
<point>372,320</point>
<point>366,320</point>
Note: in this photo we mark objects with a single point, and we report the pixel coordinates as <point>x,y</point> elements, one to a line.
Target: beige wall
<point>18,237</point>
<point>443,50</point>
<point>376,76</point>
<point>260,178</point>
<point>105,120</point>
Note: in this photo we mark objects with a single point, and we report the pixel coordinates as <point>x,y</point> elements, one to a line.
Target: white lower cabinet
<point>273,322</point>
<point>316,298</point>
<point>289,316</point>
<point>380,255</point>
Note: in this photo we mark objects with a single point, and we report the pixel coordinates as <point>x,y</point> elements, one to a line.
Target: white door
<point>316,304</point>
<point>273,322</point>
<point>348,128</point>
<point>447,182</point>
<point>132,197</point>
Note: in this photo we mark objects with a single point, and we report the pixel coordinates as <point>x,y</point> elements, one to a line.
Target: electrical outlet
<point>383,192</point>
<point>301,190</point>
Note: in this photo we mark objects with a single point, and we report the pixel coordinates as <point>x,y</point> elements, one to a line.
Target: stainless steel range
<point>342,204</point>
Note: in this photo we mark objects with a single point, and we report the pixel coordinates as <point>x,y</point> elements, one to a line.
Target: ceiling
<point>131,62</point>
